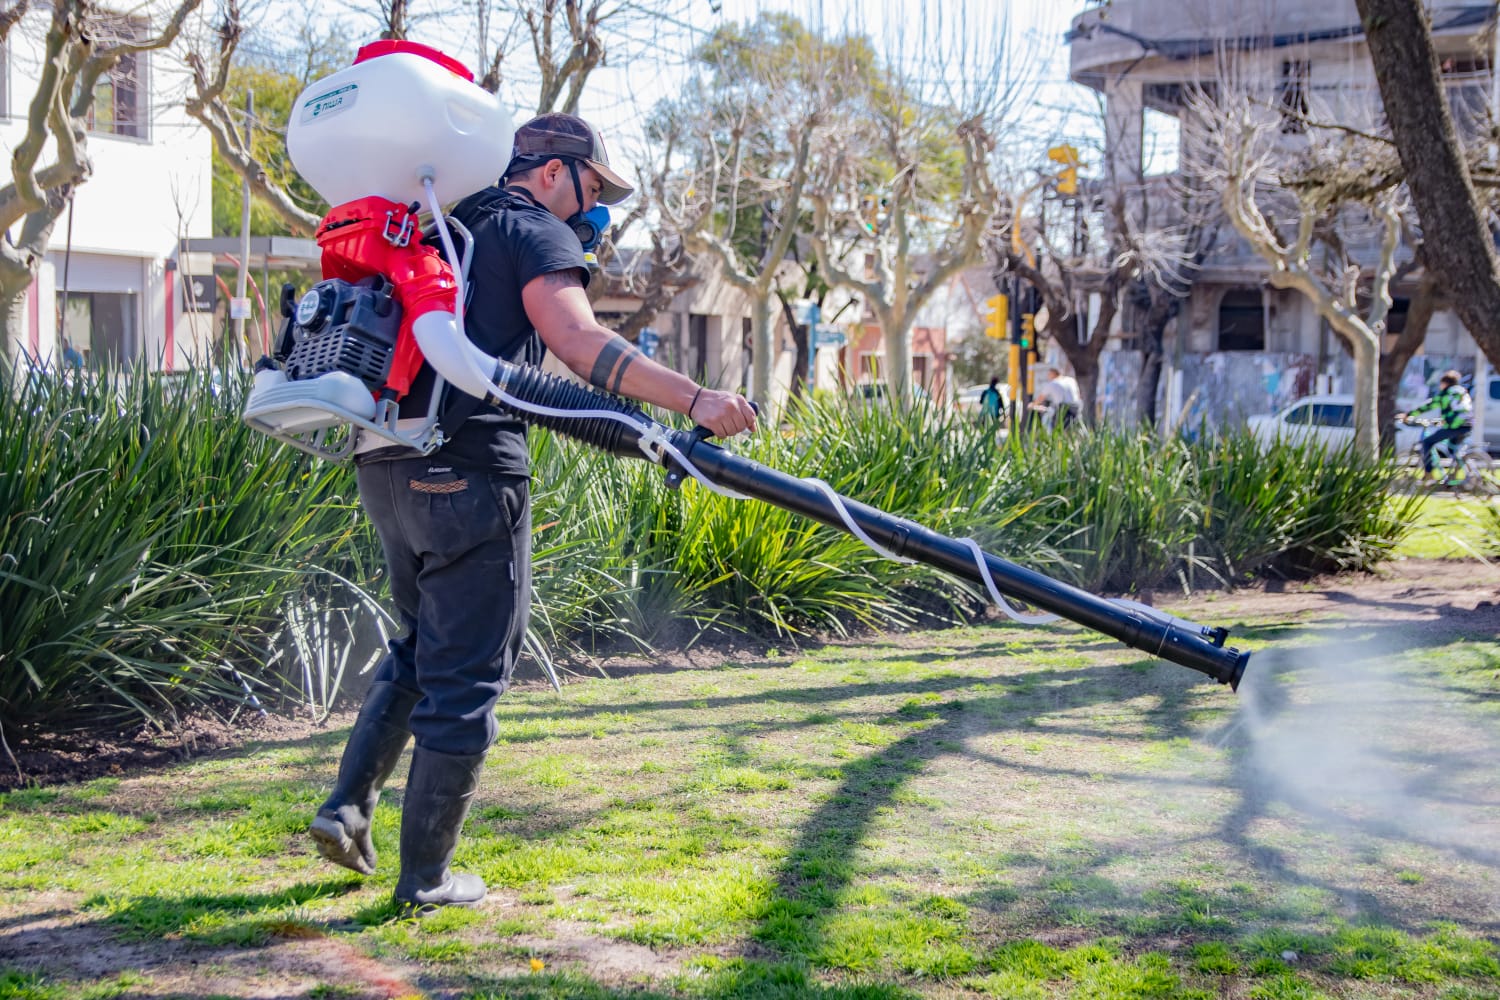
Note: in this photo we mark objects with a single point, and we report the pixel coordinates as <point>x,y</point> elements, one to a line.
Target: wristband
<point>694,402</point>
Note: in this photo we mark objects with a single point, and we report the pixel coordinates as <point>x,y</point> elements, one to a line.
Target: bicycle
<point>1466,469</point>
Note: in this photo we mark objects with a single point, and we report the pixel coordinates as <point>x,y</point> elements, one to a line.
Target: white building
<point>1308,57</point>
<point>113,257</point>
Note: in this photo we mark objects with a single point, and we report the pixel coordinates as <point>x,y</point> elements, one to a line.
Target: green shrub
<point>1295,509</point>
<point>149,541</point>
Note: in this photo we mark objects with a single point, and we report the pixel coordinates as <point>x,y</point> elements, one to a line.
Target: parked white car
<point>1327,418</point>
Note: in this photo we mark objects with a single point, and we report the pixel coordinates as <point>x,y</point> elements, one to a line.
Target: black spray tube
<point>1198,647</point>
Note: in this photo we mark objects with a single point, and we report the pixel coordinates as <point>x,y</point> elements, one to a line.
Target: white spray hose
<point>465,369</point>
<point>468,373</point>
<point>1000,600</point>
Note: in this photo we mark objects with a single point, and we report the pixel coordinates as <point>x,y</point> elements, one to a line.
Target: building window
<point>1242,321</point>
<point>1296,75</point>
<point>100,326</point>
<point>121,97</point>
<point>698,347</point>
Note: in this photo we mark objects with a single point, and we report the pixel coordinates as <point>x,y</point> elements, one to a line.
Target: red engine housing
<point>375,235</point>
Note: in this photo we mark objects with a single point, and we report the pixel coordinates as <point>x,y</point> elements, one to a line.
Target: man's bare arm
<point>562,315</point>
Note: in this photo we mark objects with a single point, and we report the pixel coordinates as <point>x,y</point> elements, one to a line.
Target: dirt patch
<point>1461,596</point>
<point>52,758</point>
<point>56,939</point>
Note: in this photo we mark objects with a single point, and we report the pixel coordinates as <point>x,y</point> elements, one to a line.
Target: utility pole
<point>239,308</point>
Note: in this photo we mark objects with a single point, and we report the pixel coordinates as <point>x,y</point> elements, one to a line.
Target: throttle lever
<point>676,473</point>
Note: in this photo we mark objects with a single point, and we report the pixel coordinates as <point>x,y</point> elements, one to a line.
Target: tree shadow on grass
<point>1071,887</point>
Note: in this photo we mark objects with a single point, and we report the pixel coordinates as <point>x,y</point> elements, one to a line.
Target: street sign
<point>647,342</point>
<point>805,311</point>
<point>200,293</point>
<point>828,336</point>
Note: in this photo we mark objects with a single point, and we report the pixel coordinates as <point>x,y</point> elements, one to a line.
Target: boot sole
<point>337,846</point>
<point>411,908</point>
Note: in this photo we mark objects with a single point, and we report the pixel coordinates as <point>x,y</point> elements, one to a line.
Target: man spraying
<point>455,524</point>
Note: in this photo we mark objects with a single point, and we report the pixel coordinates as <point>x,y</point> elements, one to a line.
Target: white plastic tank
<point>401,111</point>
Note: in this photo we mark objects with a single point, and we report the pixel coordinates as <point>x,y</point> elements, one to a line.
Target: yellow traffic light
<point>1067,177</point>
<point>998,308</point>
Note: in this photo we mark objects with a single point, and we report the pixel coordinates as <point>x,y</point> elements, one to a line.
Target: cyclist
<point>1455,412</point>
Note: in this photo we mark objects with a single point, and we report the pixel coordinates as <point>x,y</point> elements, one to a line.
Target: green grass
<point>981,812</point>
<point>1447,527</point>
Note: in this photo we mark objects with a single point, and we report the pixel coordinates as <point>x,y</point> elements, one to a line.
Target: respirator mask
<point>589,227</point>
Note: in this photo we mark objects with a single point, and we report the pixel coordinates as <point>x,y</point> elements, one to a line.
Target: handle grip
<point>675,473</point>
<point>703,433</point>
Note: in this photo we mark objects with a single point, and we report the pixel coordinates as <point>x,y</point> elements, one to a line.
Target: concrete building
<point>1260,346</point>
<point>113,256</point>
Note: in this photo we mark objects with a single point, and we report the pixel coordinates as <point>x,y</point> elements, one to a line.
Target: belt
<point>387,454</point>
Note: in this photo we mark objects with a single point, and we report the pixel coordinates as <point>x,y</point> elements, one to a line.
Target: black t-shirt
<point>515,241</point>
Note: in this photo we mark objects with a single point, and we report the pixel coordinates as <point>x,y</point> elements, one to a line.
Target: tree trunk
<point>761,330</point>
<point>895,335</point>
<point>1163,307</point>
<point>1458,244</point>
<point>802,337</point>
<point>15,278</point>
<point>1366,372</point>
<point>1393,363</point>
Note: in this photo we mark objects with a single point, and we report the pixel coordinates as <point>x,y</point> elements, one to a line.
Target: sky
<point>650,66</point>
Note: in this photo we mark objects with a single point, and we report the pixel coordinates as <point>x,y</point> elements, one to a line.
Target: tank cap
<point>389,46</point>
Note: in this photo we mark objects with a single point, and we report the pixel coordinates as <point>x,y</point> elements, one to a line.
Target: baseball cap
<point>557,134</point>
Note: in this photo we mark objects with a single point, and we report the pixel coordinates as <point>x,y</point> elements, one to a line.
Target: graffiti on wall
<point>1217,390</point>
<point>1220,389</point>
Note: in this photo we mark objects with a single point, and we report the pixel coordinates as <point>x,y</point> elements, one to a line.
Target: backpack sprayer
<point>406,119</point>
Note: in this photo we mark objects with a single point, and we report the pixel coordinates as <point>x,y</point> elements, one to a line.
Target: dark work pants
<point>1437,436</point>
<point>458,547</point>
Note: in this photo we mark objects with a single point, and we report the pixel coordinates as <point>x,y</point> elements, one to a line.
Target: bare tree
<point>1114,248</point>
<point>82,44</point>
<point>1066,277</point>
<point>748,129</point>
<point>1124,241</point>
<point>231,130</point>
<point>656,278</point>
<point>1322,183</point>
<point>904,193</point>
<point>1158,291</point>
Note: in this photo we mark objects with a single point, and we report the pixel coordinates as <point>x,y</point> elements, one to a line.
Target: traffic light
<point>1067,177</point>
<point>1028,331</point>
<point>998,307</point>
